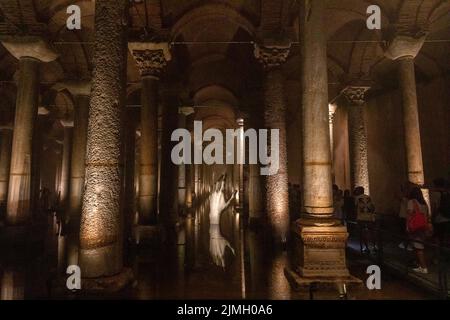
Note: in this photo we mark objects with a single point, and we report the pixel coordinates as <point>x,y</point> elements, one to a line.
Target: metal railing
<point>389,254</point>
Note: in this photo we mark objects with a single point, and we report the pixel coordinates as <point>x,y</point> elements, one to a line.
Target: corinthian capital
<point>272,55</point>
<point>150,57</point>
<point>355,94</point>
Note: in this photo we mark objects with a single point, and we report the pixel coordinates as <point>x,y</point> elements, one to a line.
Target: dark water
<point>193,261</point>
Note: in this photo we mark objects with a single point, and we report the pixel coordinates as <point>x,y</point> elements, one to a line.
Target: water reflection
<point>197,260</point>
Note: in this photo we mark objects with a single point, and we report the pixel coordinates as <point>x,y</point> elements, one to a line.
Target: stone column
<point>331,113</point>
<point>101,240</point>
<point>359,169</point>
<point>255,195</point>
<point>320,240</point>
<point>129,185</point>
<point>5,158</point>
<point>65,164</point>
<point>272,56</point>
<point>183,176</point>
<point>404,48</point>
<point>30,52</point>
<point>151,58</point>
<point>81,93</point>
<point>168,204</point>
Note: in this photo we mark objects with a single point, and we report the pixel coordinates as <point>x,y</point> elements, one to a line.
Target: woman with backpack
<point>417,224</point>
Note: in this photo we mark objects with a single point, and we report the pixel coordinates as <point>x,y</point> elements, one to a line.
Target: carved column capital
<point>272,55</point>
<point>405,46</point>
<point>355,95</point>
<point>150,57</point>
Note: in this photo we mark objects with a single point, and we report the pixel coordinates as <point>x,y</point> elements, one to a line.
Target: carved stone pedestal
<point>319,257</point>
<point>320,249</point>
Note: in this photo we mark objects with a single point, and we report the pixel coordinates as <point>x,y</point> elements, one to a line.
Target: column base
<point>319,248</point>
<point>111,284</point>
<point>299,283</point>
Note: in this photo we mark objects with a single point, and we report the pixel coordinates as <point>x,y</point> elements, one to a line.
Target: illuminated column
<point>5,158</point>
<point>272,56</point>
<point>331,113</point>
<point>81,92</point>
<point>404,49</point>
<point>241,154</point>
<point>30,54</point>
<point>65,165</point>
<point>151,58</point>
<point>183,176</point>
<point>100,251</point>
<point>359,168</point>
<point>320,240</point>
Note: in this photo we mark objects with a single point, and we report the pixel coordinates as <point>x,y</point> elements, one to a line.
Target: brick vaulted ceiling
<point>212,39</point>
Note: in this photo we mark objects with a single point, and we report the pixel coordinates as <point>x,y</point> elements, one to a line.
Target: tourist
<point>417,204</point>
<point>402,215</point>
<point>365,215</point>
<point>440,208</point>
<point>349,205</point>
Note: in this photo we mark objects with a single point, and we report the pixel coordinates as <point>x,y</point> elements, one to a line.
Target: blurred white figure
<point>217,204</point>
<point>217,245</point>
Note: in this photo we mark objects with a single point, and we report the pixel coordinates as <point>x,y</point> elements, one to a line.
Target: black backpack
<point>444,206</point>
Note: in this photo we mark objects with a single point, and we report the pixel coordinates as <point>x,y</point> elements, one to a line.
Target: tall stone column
<point>101,251</point>
<point>272,56</point>
<point>5,158</point>
<point>30,52</point>
<point>255,195</point>
<point>183,176</point>
<point>129,183</point>
<point>65,164</point>
<point>81,93</point>
<point>168,204</point>
<point>359,168</point>
<point>320,240</point>
<point>404,48</point>
<point>151,58</point>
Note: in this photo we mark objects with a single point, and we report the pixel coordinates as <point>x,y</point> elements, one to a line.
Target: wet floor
<point>195,261</point>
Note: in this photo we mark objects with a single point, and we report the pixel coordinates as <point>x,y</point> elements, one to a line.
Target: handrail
<point>441,251</point>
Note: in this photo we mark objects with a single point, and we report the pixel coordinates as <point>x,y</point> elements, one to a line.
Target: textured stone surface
<point>19,194</point>
<point>358,147</point>
<point>101,220</point>
<point>277,198</point>
<point>359,169</point>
